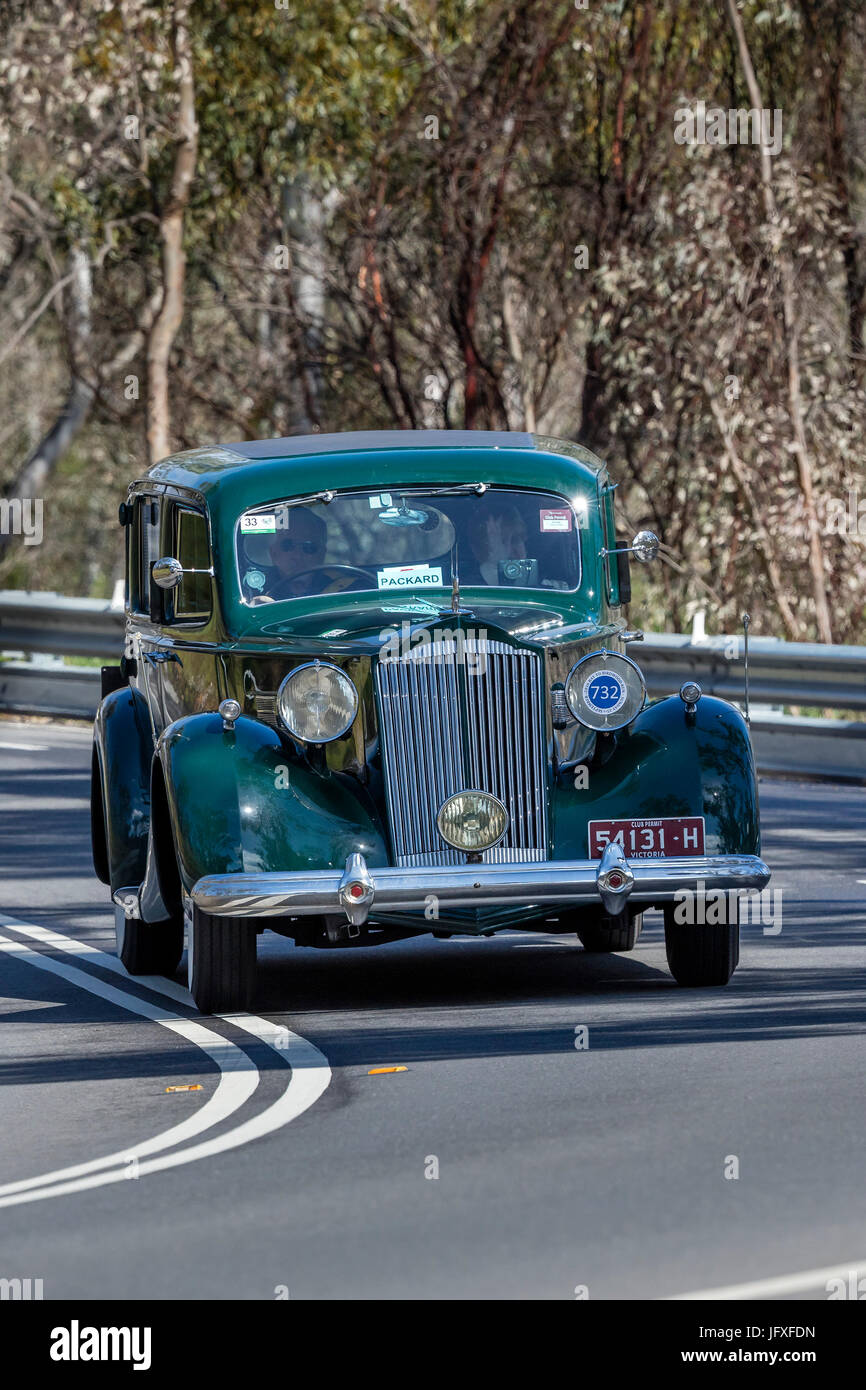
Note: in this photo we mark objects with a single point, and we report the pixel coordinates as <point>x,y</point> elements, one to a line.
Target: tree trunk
<point>37,468</point>
<point>792,345</point>
<point>303,214</point>
<point>765,543</point>
<point>170,315</point>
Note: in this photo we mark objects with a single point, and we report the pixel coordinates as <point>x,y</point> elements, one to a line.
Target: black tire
<point>148,948</point>
<point>701,955</point>
<point>607,934</point>
<point>98,842</point>
<point>221,962</point>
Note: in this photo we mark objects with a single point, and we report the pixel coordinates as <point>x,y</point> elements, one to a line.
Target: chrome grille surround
<point>426,700</point>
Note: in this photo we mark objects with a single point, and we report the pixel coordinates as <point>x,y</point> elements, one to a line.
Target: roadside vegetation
<point>221,221</point>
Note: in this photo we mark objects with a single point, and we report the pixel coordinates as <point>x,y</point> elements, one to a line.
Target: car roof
<point>363,441</point>
<point>260,469</point>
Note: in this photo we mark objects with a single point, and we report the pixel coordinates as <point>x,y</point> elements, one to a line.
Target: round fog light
<point>472,821</point>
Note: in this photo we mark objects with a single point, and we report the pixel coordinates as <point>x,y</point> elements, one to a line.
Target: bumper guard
<point>359,891</point>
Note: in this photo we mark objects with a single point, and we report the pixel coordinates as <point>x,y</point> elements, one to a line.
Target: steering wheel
<point>284,588</point>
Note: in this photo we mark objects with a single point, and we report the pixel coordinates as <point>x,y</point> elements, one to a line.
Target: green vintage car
<point>375,684</point>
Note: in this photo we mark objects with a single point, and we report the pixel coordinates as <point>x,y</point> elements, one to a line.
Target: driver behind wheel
<point>297,561</point>
<point>298,554</point>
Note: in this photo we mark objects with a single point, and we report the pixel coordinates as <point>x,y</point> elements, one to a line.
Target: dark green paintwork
<point>124,752</point>
<point>228,809</point>
<point>240,804</point>
<point>665,764</point>
<point>229,489</point>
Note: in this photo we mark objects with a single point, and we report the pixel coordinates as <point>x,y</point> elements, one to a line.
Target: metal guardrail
<point>43,622</point>
<point>781,673</point>
<point>67,692</point>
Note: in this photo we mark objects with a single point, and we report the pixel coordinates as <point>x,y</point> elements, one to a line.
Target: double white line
<point>239,1076</point>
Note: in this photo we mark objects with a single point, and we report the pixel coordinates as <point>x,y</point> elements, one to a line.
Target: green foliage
<point>427,170</point>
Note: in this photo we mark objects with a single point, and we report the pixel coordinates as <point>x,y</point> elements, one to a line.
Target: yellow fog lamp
<point>472,821</point>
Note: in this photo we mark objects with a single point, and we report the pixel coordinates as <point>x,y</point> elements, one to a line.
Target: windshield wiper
<point>447,489</point>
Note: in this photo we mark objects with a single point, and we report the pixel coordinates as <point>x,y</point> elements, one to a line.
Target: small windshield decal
<point>426,610</point>
<point>555,519</point>
<point>259,521</point>
<point>255,579</point>
<point>379,500</point>
<point>409,576</point>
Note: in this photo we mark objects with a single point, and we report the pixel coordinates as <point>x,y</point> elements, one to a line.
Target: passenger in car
<point>500,534</point>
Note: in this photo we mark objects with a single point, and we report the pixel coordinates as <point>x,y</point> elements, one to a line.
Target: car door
<point>145,605</point>
<point>189,672</point>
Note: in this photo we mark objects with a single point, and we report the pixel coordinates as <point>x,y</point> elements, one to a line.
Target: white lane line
<point>795,832</point>
<point>25,747</point>
<point>310,1073</point>
<point>239,1075</point>
<point>781,1284</point>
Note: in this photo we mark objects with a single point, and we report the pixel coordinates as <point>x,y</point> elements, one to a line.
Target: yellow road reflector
<point>380,1071</point>
<point>194,1087</point>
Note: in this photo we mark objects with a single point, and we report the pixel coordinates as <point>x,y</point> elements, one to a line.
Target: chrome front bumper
<point>361,892</point>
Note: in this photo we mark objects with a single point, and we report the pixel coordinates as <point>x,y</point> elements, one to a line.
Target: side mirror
<point>645,546</point>
<point>167,573</point>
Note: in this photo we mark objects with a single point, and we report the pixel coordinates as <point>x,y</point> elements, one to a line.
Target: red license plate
<point>649,838</point>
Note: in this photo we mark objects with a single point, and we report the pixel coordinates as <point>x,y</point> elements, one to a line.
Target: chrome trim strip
<point>468,885</point>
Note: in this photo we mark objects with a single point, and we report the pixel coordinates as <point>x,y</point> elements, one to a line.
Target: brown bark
<point>171,226</point>
<point>792,346</point>
<point>765,543</point>
<point>484,404</point>
<point>73,415</point>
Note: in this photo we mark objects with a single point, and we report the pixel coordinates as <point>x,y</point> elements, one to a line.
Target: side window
<point>143,551</point>
<point>192,598</point>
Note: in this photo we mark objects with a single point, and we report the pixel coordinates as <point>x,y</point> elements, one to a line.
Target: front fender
<point>668,764</point>
<point>240,802</point>
<point>123,749</point>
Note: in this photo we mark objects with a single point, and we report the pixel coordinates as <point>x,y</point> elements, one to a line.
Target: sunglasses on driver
<point>307,547</point>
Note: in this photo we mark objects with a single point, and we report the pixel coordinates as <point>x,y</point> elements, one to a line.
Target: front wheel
<point>608,933</point>
<point>221,962</point>
<point>703,954</point>
<point>147,948</point>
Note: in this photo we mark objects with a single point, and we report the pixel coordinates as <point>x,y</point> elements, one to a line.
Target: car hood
<point>365,627</point>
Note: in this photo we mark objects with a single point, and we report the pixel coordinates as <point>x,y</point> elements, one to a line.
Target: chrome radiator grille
<point>447,726</point>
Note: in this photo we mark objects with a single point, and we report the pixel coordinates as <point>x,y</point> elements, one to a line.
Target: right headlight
<point>317,702</point>
<point>605,691</point>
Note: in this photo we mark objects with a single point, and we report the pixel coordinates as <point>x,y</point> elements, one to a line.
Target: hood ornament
<point>455,588</point>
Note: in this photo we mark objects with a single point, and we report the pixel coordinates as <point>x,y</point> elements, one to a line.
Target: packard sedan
<point>375,685</point>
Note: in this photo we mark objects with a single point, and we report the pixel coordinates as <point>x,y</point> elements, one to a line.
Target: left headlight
<point>317,703</point>
<point>605,691</point>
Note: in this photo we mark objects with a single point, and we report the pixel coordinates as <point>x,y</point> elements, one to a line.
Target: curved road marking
<point>781,1284</point>
<point>239,1076</point>
<point>309,1077</point>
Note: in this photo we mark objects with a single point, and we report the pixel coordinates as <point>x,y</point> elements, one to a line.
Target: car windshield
<point>410,540</point>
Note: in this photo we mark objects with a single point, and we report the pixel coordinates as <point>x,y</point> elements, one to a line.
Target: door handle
<point>157,658</point>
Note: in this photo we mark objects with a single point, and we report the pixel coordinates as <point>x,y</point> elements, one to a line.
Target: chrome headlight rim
<point>488,796</point>
<point>605,724</point>
<point>317,666</point>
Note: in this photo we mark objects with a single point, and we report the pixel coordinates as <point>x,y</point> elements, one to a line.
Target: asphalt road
<point>297,1173</point>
